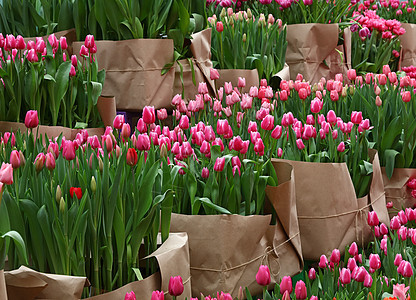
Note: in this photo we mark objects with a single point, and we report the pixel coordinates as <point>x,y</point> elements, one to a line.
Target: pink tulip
<point>300,290</point>
<point>277,132</point>
<point>353,250</point>
<point>131,296</point>
<point>312,274</point>
<point>184,122</point>
<point>205,173</point>
<point>267,123</point>
<point>331,117</point>
<point>263,276</point>
<point>334,95</point>
<point>400,291</point>
<point>398,259</point>
<point>50,161</point>
<point>323,262</point>
<point>175,286</point>
<point>316,105</point>
<point>300,144</point>
<point>335,256</point>
<point>162,114</point>
<point>352,75</point>
<point>39,162</point>
<point>6,173</point>
<point>286,285</point>
<point>259,147</point>
<point>372,218</point>
<point>341,147</point>
<point>222,127</point>
<point>15,159</point>
<point>218,142</point>
<point>125,131</point>
<point>118,122</point>
<point>72,72</point>
<point>356,117</point>
<point>395,223</point>
<point>202,88</point>
<point>141,126</point>
<point>31,119</point>
<point>149,116</point>
<point>360,274</point>
<point>345,276</point>
<point>406,96</point>
<point>219,26</point>
<point>68,150</point>
<point>375,262</point>
<point>214,74</point>
<point>89,41</point>
<point>368,281</point>
<point>156,295</point>
<point>32,56</point>
<point>219,164</point>
<point>352,264</point>
<point>241,82</point>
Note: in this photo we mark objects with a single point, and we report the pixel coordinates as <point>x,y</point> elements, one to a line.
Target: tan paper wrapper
<point>173,259</point>
<point>105,106</point>
<point>311,51</point>
<point>133,71</point>
<point>25,283</point>
<point>3,292</point>
<point>396,189</point>
<point>407,41</point>
<point>201,51</point>
<point>231,75</point>
<point>329,214</point>
<point>227,250</point>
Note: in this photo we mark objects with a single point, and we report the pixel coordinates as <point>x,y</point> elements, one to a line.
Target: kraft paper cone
<point>107,108</point>
<point>57,286</point>
<point>201,60</point>
<point>397,190</point>
<point>283,74</point>
<point>3,292</point>
<point>329,214</point>
<point>173,259</point>
<point>133,71</point>
<point>225,250</point>
<point>309,45</point>
<point>408,43</point>
<point>231,75</point>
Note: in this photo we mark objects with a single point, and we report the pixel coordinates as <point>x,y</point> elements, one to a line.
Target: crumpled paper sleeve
<point>231,75</point>
<point>408,43</point>
<point>106,106</point>
<point>173,259</point>
<point>133,71</point>
<point>283,74</point>
<point>3,291</point>
<point>308,46</point>
<point>329,214</point>
<point>43,286</point>
<point>226,251</point>
<point>397,190</point>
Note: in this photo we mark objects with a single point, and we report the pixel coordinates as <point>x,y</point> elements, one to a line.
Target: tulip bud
<point>286,285</point>
<point>93,184</point>
<point>300,290</point>
<point>263,276</point>
<point>132,296</point>
<point>22,159</point>
<point>58,194</point>
<point>175,286</point>
<point>312,274</point>
<point>100,164</point>
<point>62,205</point>
<point>39,162</point>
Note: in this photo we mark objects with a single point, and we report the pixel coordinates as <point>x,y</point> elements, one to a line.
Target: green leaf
<point>17,238</point>
<point>208,203</point>
<point>390,156</point>
<point>392,134</point>
<point>138,273</point>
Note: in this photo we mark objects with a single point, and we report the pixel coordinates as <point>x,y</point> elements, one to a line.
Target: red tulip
<point>175,286</point>
<point>31,119</point>
<point>263,276</point>
<point>267,123</point>
<point>220,26</point>
<point>76,191</point>
<point>6,173</point>
<point>131,157</point>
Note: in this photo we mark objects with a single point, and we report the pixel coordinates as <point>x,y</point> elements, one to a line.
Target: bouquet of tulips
<point>243,41</point>
<point>375,42</point>
<point>39,76</point>
<point>306,11</point>
<point>403,11</point>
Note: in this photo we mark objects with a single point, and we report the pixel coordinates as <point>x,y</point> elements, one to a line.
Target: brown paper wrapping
<point>407,41</point>
<point>283,74</point>
<point>227,250</point>
<point>201,60</point>
<point>25,283</point>
<point>231,75</point>
<point>173,259</point>
<point>397,190</point>
<point>133,71</point>
<point>329,214</point>
<point>107,108</point>
<point>311,51</point>
<point>3,292</point>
